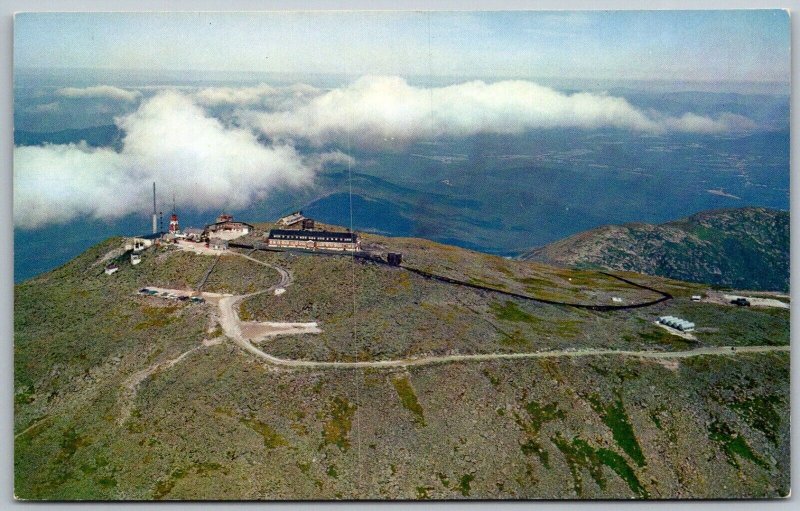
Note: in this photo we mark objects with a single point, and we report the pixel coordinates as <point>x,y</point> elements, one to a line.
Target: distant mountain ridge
<point>96,136</point>
<point>745,248</point>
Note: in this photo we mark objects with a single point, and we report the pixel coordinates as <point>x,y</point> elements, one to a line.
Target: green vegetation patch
<point>760,413</point>
<point>422,492</point>
<point>156,317</point>
<point>534,283</point>
<point>538,415</point>
<point>614,416</point>
<point>332,472</point>
<point>515,339</point>
<point>272,438</point>
<point>337,429</point>
<point>580,455</point>
<point>233,274</point>
<point>164,487</point>
<point>510,311</point>
<point>409,399</point>
<point>494,380</point>
<point>541,414</point>
<point>464,484</point>
<point>733,444</point>
<point>244,313</point>
<point>656,416</point>
<point>739,326</point>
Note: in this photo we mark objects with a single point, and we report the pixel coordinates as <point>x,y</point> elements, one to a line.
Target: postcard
<point>351,255</point>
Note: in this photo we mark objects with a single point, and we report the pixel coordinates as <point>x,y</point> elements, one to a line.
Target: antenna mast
<point>155,218</point>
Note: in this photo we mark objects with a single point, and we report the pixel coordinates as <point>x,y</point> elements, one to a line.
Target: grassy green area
<point>511,312</point>
<point>537,416</point>
<point>238,275</point>
<point>733,445</point>
<point>336,430</point>
<point>761,413</point>
<point>614,416</point>
<point>409,399</point>
<point>737,326</point>
<point>272,438</point>
<point>464,484</point>
<point>580,455</point>
<point>525,277</point>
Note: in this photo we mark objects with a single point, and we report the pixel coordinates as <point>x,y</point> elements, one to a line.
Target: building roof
<point>305,235</point>
<point>216,225</point>
<point>193,230</point>
<point>291,218</point>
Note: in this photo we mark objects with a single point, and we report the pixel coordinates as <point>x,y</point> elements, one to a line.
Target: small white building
<point>292,219</point>
<point>677,323</point>
<point>136,259</point>
<point>111,269</point>
<point>138,244</point>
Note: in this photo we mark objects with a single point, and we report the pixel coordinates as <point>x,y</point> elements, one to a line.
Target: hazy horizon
<point>734,45</point>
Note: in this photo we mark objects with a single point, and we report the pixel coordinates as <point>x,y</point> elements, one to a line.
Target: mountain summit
<point>742,248</point>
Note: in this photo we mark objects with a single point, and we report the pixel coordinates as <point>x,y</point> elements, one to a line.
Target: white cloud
<point>243,96</point>
<point>169,139</point>
<point>693,123</point>
<point>100,91</point>
<point>377,107</point>
<point>261,95</point>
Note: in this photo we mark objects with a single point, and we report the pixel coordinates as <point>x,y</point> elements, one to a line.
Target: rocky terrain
<point>746,248</point>
<point>124,396</point>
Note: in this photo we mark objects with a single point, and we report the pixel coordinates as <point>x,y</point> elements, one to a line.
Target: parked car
<point>741,302</point>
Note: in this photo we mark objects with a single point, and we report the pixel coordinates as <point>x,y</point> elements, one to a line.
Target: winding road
<point>231,326</point>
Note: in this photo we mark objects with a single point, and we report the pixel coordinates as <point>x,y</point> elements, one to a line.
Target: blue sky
<point>633,45</point>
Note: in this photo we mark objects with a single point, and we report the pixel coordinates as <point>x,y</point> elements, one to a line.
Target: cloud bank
<point>377,107</point>
<point>170,140</point>
<point>238,155</point>
<point>261,95</point>
<point>100,91</point>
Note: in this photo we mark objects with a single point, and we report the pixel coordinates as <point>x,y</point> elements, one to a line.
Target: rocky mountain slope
<point>745,248</point>
<point>120,395</point>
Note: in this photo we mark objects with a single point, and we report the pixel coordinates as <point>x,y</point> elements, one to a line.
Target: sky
<point>635,45</point>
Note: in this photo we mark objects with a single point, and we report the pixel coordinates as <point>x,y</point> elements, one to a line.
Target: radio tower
<point>155,217</point>
<point>173,221</point>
